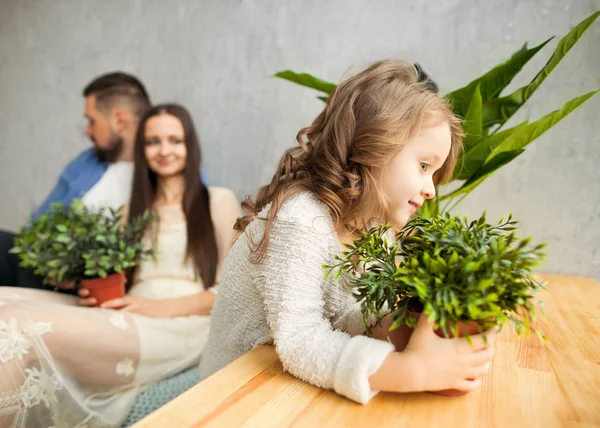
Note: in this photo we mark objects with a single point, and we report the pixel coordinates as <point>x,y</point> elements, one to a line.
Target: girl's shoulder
<point>305,208</point>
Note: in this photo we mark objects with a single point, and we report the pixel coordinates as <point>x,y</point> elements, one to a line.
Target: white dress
<point>62,365</point>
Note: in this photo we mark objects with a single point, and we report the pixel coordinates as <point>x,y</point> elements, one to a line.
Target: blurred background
<point>218,57</point>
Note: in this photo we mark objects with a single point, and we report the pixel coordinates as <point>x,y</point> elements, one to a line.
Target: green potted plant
<point>485,111</point>
<point>72,243</point>
<point>466,276</point>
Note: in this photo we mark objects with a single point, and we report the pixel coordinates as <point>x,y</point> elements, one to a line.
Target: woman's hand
<point>85,300</point>
<point>195,304</point>
<point>157,308</point>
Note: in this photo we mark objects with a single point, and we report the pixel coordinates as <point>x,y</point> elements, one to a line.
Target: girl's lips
<point>414,206</point>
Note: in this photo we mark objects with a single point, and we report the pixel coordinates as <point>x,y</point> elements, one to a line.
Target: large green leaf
<point>519,140</point>
<point>307,80</point>
<point>499,110</point>
<point>472,161</point>
<point>484,173</point>
<point>494,81</point>
<point>507,145</point>
<point>472,124</point>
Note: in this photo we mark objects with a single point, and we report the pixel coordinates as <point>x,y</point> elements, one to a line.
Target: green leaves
<point>481,105</point>
<point>451,269</point>
<point>473,124</point>
<point>471,161</point>
<point>494,81</point>
<point>501,148</point>
<point>307,80</point>
<point>73,242</point>
<point>525,135</point>
<point>499,110</point>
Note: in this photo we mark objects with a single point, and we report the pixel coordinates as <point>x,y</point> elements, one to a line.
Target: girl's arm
<point>290,281</point>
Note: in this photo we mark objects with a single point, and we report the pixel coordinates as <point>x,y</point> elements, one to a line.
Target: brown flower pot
<point>401,336</point>
<point>105,289</point>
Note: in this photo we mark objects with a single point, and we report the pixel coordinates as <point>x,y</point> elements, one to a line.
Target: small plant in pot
<point>91,248</point>
<point>468,277</point>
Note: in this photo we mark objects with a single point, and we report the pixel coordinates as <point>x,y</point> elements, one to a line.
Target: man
<point>99,176</point>
<point>102,175</point>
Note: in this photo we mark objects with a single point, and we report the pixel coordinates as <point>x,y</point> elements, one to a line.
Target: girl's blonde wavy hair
<point>366,122</point>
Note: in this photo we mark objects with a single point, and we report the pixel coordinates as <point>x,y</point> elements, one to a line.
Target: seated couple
<point>63,363</point>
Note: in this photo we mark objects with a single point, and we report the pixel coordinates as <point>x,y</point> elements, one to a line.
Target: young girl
<point>64,365</point>
<point>374,155</point>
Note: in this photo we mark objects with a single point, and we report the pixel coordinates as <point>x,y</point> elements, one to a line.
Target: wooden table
<point>531,384</point>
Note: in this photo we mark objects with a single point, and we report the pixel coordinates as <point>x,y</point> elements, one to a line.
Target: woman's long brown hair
<point>201,242</point>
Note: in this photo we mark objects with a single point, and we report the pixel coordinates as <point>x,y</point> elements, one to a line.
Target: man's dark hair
<point>118,88</point>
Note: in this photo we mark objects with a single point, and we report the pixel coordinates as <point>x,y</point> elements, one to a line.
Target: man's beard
<point>114,151</point>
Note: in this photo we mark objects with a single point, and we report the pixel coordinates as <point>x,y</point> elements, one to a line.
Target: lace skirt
<point>62,365</point>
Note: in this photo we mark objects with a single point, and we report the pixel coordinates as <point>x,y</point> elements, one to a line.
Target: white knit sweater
<point>315,323</point>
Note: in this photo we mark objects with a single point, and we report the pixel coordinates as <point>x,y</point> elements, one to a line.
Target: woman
<point>66,365</point>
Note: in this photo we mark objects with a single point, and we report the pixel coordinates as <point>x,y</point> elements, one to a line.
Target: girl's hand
<point>141,305</point>
<point>448,363</point>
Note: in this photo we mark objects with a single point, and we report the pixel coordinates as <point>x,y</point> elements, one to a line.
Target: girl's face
<point>407,180</point>
<point>165,148</point>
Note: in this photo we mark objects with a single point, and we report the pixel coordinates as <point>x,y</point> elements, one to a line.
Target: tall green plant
<point>487,145</point>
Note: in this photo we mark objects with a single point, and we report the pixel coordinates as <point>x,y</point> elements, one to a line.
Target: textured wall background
<point>217,56</point>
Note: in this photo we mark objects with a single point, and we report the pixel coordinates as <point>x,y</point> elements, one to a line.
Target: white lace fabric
<point>62,365</point>
<point>49,368</point>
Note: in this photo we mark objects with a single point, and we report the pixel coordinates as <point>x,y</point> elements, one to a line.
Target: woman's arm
<point>195,304</point>
<point>225,210</point>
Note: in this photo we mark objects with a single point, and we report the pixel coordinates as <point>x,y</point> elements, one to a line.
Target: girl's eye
<point>176,140</point>
<point>424,166</point>
<point>152,142</point>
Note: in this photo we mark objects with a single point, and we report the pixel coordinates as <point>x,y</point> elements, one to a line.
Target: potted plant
<point>485,109</point>
<point>72,243</point>
<point>466,276</point>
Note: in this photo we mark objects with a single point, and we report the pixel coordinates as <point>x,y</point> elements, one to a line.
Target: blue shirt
<point>80,175</point>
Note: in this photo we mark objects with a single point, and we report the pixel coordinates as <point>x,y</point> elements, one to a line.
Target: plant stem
<point>446,209</point>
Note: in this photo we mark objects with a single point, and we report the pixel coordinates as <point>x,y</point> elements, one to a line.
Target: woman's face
<point>165,147</point>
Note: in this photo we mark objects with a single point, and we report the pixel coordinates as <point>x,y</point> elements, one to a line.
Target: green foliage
<point>72,242</point>
<point>451,269</point>
<point>485,111</point>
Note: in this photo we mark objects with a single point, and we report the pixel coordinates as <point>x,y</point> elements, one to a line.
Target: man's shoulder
<point>84,161</point>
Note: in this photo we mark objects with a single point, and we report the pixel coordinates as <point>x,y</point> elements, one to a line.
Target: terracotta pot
<point>401,336</point>
<point>105,289</point>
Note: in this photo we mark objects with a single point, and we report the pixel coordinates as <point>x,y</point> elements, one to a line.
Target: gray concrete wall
<point>217,56</point>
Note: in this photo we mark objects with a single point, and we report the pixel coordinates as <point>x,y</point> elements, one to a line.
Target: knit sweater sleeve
<point>291,280</point>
